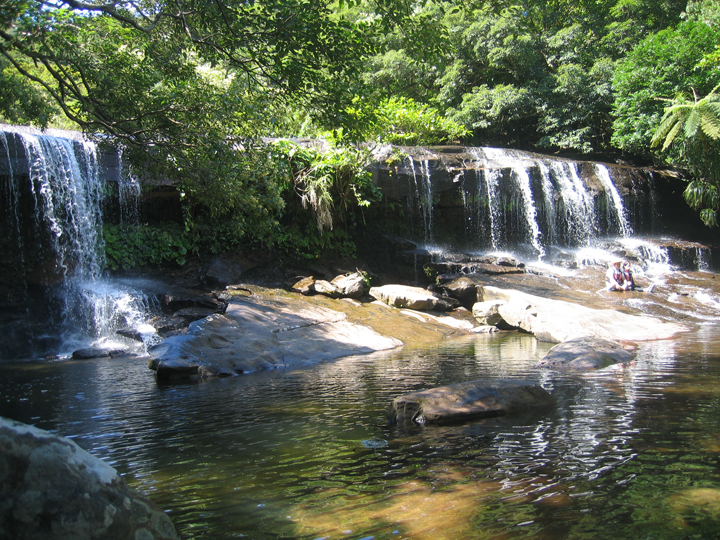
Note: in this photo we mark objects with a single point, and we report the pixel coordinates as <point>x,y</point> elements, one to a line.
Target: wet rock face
<point>53,489</point>
<point>468,401</point>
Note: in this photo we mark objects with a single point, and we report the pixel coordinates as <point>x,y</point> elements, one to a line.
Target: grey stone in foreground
<point>468,401</point>
<point>351,285</point>
<point>586,354</point>
<point>54,490</point>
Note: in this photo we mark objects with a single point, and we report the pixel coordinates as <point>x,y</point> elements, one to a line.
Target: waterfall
<point>63,178</point>
<point>53,197</point>
<point>129,190</point>
<point>577,218</point>
<point>492,179</point>
<point>548,191</point>
<point>422,185</point>
<point>541,201</point>
<point>521,176</point>
<point>603,175</point>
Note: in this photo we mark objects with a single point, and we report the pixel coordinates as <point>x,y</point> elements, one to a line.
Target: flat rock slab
<point>557,321</point>
<point>468,401</point>
<point>260,333</point>
<point>417,298</point>
<point>586,354</point>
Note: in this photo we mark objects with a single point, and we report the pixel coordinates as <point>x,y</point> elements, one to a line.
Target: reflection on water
<point>307,454</point>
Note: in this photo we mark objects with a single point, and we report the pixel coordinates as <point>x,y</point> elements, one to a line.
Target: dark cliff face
<point>479,199</point>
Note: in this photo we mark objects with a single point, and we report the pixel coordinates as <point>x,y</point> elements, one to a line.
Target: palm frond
<point>670,124</point>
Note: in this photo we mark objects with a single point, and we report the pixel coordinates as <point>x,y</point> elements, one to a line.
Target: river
<point>630,452</point>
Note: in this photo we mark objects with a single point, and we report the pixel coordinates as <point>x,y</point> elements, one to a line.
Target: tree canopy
<point>191,87</point>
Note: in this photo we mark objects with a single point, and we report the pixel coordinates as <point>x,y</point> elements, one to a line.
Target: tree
<point>89,54</point>
<point>189,87</point>
<point>697,124</point>
<point>537,73</point>
<point>662,66</point>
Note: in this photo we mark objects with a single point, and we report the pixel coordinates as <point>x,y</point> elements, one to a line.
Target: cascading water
<point>576,213</point>
<point>530,199</point>
<point>520,175</point>
<point>603,175</point>
<point>548,191</point>
<point>53,194</point>
<point>490,179</point>
<point>422,187</point>
<point>542,209</point>
<point>129,190</point>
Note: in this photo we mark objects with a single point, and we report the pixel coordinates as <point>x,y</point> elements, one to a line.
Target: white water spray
<point>502,158</point>
<point>61,187</point>
<point>603,174</point>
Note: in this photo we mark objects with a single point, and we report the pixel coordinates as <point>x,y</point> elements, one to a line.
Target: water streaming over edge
<point>66,190</point>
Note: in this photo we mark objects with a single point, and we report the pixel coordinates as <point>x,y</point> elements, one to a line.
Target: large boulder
<point>417,298</point>
<point>322,286</point>
<point>586,354</point>
<point>487,313</point>
<point>463,289</point>
<point>468,401</point>
<point>351,285</point>
<point>556,321</point>
<point>343,286</point>
<point>305,286</point>
<point>53,489</point>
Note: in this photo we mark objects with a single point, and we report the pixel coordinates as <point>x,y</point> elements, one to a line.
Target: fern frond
<point>710,125</point>
<point>709,118</point>
<point>672,134</point>
<point>692,123</point>
<point>667,124</point>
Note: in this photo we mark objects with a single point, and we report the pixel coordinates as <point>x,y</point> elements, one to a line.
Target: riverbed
<point>630,451</point>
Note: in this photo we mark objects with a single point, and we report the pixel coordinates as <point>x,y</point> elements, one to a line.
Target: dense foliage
<point>130,245</point>
<point>191,88</point>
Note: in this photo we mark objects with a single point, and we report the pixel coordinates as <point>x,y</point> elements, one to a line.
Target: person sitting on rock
<point>628,281</point>
<point>614,277</point>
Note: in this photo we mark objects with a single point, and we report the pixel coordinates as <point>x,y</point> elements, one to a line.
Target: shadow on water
<point>308,454</point>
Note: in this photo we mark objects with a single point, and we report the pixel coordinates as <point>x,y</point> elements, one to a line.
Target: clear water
<point>629,452</point>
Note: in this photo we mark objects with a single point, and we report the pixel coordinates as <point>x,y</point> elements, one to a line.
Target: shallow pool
<point>630,452</point>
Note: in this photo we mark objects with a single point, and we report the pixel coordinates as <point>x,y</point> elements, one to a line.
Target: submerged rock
<point>586,354</point>
<point>468,401</point>
<point>96,352</point>
<point>53,489</point>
